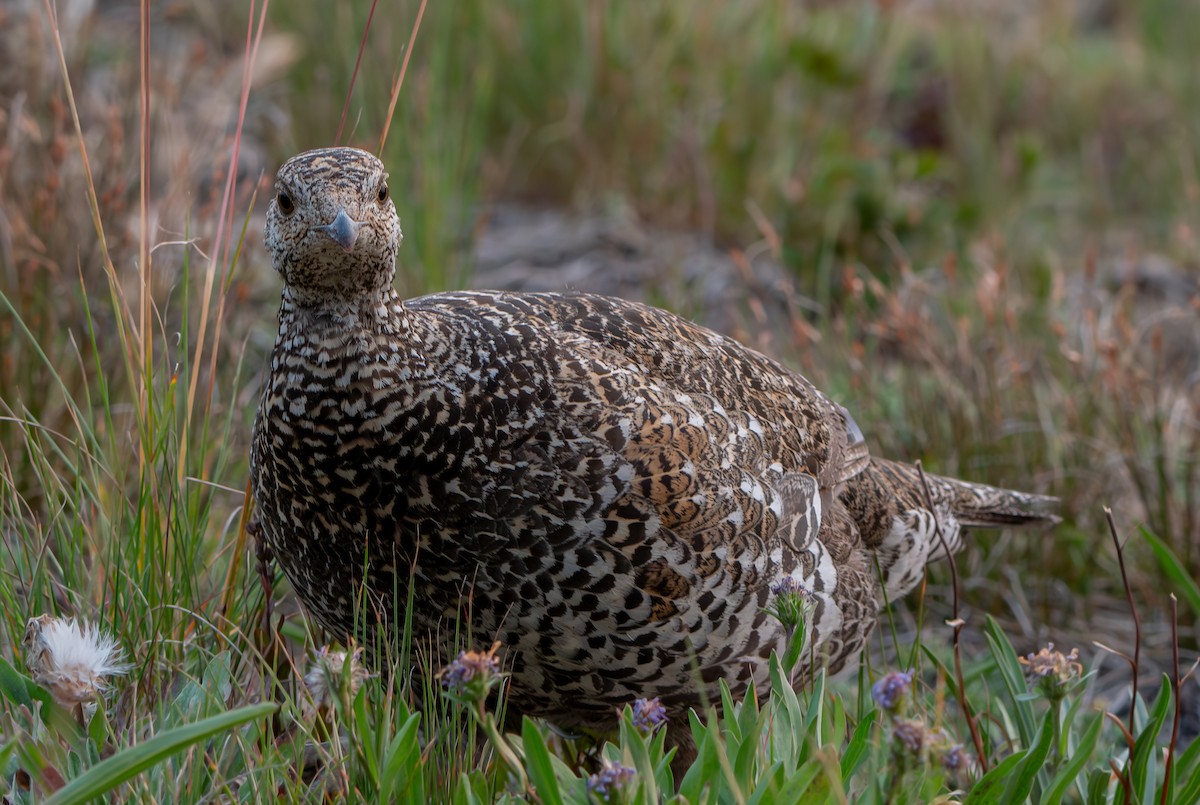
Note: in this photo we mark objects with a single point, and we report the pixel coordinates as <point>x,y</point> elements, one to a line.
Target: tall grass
<point>949,197</point>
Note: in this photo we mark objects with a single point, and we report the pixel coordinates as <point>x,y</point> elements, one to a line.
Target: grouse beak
<point>343,231</point>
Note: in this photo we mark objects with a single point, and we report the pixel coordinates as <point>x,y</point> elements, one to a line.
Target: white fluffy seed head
<point>71,659</point>
<point>325,674</point>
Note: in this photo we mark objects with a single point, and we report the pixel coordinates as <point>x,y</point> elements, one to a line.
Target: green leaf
<point>1078,759</point>
<point>1014,678</point>
<point>1143,767</point>
<point>990,788</point>
<point>706,770</point>
<point>366,735</point>
<point>637,754</point>
<point>23,691</point>
<point>1174,569</point>
<point>401,775</point>
<point>127,764</point>
<point>1187,767</point>
<point>860,742</point>
<point>466,792</point>
<point>14,685</point>
<point>733,732</point>
<point>796,789</point>
<point>1025,773</point>
<point>537,763</point>
<point>1186,777</point>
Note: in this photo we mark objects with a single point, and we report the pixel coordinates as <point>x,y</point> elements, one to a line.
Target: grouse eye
<point>381,195</point>
<point>286,206</point>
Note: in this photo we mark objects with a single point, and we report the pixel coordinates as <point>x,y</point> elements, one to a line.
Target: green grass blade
<point>125,765</point>
<point>1174,569</point>
<point>1187,778</point>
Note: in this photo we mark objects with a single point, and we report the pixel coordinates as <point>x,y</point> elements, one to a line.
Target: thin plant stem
<point>362,47</point>
<point>1177,686</point>
<point>955,623</point>
<point>412,39</point>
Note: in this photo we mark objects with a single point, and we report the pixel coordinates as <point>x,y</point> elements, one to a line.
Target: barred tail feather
<point>973,505</point>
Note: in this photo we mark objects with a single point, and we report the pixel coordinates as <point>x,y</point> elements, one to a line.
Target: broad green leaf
<point>21,690</point>
<point>1143,767</point>
<point>1078,758</point>
<point>858,746</point>
<point>14,685</point>
<point>402,764</point>
<point>706,768</point>
<point>537,763</point>
<point>127,764</point>
<point>990,788</point>
<point>1025,773</point>
<point>1014,678</point>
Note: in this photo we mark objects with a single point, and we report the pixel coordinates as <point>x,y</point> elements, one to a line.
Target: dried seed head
<point>71,659</point>
<point>328,669</point>
<point>1052,672</point>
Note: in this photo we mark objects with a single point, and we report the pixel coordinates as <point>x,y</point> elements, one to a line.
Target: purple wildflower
<point>792,602</point>
<point>471,675</point>
<point>955,759</point>
<point>648,715</point>
<point>889,691</point>
<point>790,586</point>
<point>609,780</point>
<point>910,734</point>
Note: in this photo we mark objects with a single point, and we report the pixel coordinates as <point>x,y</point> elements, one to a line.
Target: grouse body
<point>609,490</point>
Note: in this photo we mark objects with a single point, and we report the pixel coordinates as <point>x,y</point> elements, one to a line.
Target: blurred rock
<point>747,295</point>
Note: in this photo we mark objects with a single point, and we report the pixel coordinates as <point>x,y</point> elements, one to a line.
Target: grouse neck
<point>379,312</point>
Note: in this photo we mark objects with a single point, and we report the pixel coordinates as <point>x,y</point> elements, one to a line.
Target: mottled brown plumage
<point>608,489</point>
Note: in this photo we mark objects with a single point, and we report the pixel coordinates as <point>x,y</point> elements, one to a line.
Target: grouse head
<point>332,228</point>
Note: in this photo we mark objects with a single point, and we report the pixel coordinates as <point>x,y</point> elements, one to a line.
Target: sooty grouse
<point>609,490</point>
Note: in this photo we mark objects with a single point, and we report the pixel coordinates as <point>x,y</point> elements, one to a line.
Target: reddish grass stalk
<point>144,220</point>
<point>146,444</point>
<point>1137,621</point>
<point>224,224</point>
<point>362,46</point>
<point>387,122</point>
<point>1134,662</point>
<point>1177,685</point>
<point>957,624</point>
<point>119,303</point>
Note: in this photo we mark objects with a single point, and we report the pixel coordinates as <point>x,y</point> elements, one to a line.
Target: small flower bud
<point>910,735</point>
<point>792,602</point>
<point>608,783</point>
<point>648,715</point>
<point>472,675</point>
<point>890,690</point>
